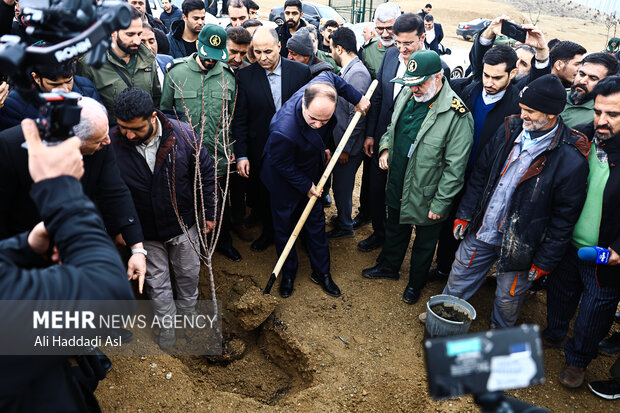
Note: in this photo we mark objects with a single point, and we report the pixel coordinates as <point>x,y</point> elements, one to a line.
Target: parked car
<point>458,62</point>
<point>313,14</point>
<point>472,27</point>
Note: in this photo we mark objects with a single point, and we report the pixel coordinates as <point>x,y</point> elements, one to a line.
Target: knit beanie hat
<point>301,43</point>
<point>545,94</point>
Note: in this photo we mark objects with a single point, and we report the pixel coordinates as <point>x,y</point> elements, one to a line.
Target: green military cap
<point>421,65</point>
<point>212,43</point>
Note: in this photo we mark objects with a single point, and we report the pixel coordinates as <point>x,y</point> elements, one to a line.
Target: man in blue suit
<point>293,161</point>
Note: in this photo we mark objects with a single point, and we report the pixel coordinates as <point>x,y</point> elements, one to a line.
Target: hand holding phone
<point>514,31</point>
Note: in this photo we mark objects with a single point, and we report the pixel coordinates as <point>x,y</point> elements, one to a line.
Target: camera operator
<point>101,183</point>
<point>90,270</point>
<point>46,78</point>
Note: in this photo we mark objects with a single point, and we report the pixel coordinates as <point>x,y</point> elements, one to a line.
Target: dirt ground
<point>360,352</point>
<point>299,361</point>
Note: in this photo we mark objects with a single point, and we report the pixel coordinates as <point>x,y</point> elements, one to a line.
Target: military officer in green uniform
<point>372,52</point>
<point>426,148</point>
<point>128,64</point>
<point>201,86</point>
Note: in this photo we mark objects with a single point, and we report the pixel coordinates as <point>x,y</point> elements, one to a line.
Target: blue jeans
<point>473,261</point>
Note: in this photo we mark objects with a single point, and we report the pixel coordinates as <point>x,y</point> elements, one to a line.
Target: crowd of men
<point>513,166</point>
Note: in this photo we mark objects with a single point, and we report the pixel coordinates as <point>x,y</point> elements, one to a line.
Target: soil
<point>360,352</point>
<point>451,313</point>
<point>253,308</point>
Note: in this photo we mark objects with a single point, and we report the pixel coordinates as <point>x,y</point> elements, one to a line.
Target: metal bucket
<point>437,326</point>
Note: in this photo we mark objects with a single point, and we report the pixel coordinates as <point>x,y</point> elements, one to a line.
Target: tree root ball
<point>254,307</point>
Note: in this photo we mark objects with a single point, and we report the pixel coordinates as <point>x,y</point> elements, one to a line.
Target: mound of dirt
<point>253,308</point>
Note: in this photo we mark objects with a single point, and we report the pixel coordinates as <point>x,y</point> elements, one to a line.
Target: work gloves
<point>536,273</point>
<point>459,228</point>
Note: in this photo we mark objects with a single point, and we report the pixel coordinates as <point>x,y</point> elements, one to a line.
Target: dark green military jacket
<point>109,83</point>
<point>200,96</point>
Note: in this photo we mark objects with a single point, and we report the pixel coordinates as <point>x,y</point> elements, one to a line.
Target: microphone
<point>597,255</point>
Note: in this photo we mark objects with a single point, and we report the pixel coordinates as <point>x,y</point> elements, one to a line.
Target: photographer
<point>46,78</point>
<point>101,183</point>
<point>90,270</point>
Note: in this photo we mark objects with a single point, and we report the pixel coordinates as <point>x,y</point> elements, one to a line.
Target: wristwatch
<point>139,251</point>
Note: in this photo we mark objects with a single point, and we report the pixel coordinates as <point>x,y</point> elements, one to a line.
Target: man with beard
<point>354,72</point>
<point>154,154</point>
<point>593,288</point>
<point>580,99</point>
<point>292,23</point>
<point>521,202</point>
<point>565,58</point>
<point>372,53</point>
<point>409,37</point>
<point>264,87</point>
<point>170,14</point>
<point>525,54</point>
<point>426,148</point>
<point>202,87</point>
<point>46,78</point>
<point>492,95</point>
<point>184,33</point>
<point>128,63</point>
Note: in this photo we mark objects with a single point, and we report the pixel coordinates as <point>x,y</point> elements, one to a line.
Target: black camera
<point>73,28</point>
<point>485,364</point>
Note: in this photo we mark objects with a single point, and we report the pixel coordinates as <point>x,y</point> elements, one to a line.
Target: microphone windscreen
<point>587,254</point>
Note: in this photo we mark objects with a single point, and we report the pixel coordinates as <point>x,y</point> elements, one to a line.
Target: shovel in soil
<point>253,309</point>
<point>319,188</point>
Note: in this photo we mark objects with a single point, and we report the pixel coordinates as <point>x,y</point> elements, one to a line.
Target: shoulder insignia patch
<point>458,107</point>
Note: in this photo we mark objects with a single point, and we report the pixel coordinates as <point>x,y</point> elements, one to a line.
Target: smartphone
<point>514,31</point>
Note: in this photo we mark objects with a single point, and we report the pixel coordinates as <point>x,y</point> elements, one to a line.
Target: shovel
<point>319,187</point>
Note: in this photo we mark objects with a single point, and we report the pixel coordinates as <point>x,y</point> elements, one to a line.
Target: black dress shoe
<point>411,295</point>
<point>340,233</point>
<point>333,220</point>
<point>326,282</point>
<point>327,201</point>
<point>262,243</point>
<point>360,220</point>
<point>379,271</point>
<point>435,274</point>
<point>230,253</point>
<point>286,287</point>
<point>371,243</point>
<point>610,346</point>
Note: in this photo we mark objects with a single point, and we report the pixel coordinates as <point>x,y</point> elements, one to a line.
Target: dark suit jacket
<point>434,45</point>
<point>102,183</point>
<point>254,107</point>
<point>294,154</point>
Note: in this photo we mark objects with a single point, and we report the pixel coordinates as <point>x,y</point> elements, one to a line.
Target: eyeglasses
<point>381,29</point>
<point>405,44</point>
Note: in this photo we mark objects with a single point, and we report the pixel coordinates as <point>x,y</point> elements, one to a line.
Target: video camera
<point>484,364</point>
<point>73,27</point>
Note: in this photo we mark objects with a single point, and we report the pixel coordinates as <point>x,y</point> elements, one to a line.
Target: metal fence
<point>355,11</point>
